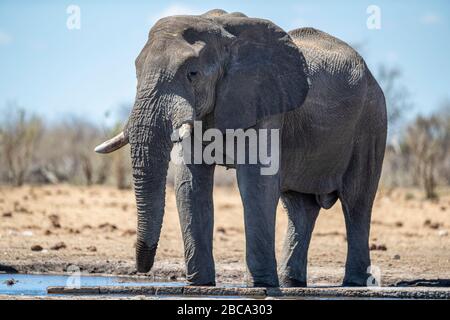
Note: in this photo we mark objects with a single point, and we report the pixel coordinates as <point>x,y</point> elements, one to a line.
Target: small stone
<point>109,227</point>
<point>27,233</point>
<point>7,214</point>
<point>380,247</point>
<point>92,249</point>
<point>442,233</point>
<point>20,209</point>
<point>399,224</point>
<point>54,220</point>
<point>435,225</point>
<point>36,247</point>
<point>47,232</point>
<point>221,230</point>
<point>129,232</point>
<point>397,257</point>
<point>58,246</point>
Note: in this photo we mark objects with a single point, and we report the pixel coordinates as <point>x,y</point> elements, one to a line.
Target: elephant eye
<point>192,75</point>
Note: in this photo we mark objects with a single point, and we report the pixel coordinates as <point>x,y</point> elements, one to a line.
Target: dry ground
<point>94,228</point>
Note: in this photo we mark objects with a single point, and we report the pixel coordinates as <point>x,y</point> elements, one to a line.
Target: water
<point>36,285</point>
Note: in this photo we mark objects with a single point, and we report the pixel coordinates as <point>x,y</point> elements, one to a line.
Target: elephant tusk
<point>182,133</point>
<point>112,144</point>
<point>185,130</point>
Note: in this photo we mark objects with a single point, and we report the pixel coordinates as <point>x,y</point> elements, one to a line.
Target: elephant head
<point>229,68</point>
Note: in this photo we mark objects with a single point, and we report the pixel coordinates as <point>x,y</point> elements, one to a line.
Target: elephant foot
<point>201,281</point>
<point>361,281</point>
<point>347,283</point>
<point>264,285</point>
<point>293,283</point>
<point>268,280</point>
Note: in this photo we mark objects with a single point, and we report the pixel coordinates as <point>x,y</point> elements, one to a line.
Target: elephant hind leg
<point>302,211</point>
<point>357,197</point>
<point>357,221</point>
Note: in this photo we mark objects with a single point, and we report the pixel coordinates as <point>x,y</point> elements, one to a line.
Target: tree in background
<point>20,135</point>
<point>398,104</point>
<point>63,152</point>
<point>67,149</point>
<point>121,166</point>
<point>398,100</point>
<point>427,142</point>
<point>120,159</point>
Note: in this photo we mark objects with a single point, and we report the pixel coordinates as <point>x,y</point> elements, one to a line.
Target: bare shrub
<point>120,160</point>
<point>121,163</point>
<point>427,142</point>
<point>63,152</point>
<point>68,152</point>
<point>398,100</point>
<point>20,135</point>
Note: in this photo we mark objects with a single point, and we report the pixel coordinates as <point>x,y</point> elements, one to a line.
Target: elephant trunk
<point>150,198</point>
<point>150,155</point>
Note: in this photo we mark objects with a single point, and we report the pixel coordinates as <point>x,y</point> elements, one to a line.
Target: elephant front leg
<point>260,195</point>
<point>302,211</point>
<point>193,187</point>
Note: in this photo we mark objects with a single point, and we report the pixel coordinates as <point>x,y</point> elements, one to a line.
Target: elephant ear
<point>266,74</point>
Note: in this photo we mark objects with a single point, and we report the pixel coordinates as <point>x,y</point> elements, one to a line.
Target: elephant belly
<point>317,144</point>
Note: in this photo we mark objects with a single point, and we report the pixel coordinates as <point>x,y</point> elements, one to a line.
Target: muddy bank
<point>261,293</point>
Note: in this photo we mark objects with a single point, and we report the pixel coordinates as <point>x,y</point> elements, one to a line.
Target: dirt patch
<point>97,227</point>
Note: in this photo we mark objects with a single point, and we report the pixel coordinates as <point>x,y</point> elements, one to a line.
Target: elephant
<point>230,71</point>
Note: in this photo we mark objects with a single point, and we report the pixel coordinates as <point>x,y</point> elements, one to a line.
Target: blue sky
<point>56,72</point>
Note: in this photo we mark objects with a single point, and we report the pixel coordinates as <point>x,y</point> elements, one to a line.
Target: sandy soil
<point>54,228</point>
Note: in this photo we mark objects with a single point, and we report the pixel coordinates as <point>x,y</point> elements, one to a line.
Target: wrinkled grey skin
<point>231,71</point>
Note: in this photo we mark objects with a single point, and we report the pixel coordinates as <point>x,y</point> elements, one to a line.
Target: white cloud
<point>430,18</point>
<point>174,10</point>
<point>5,38</point>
